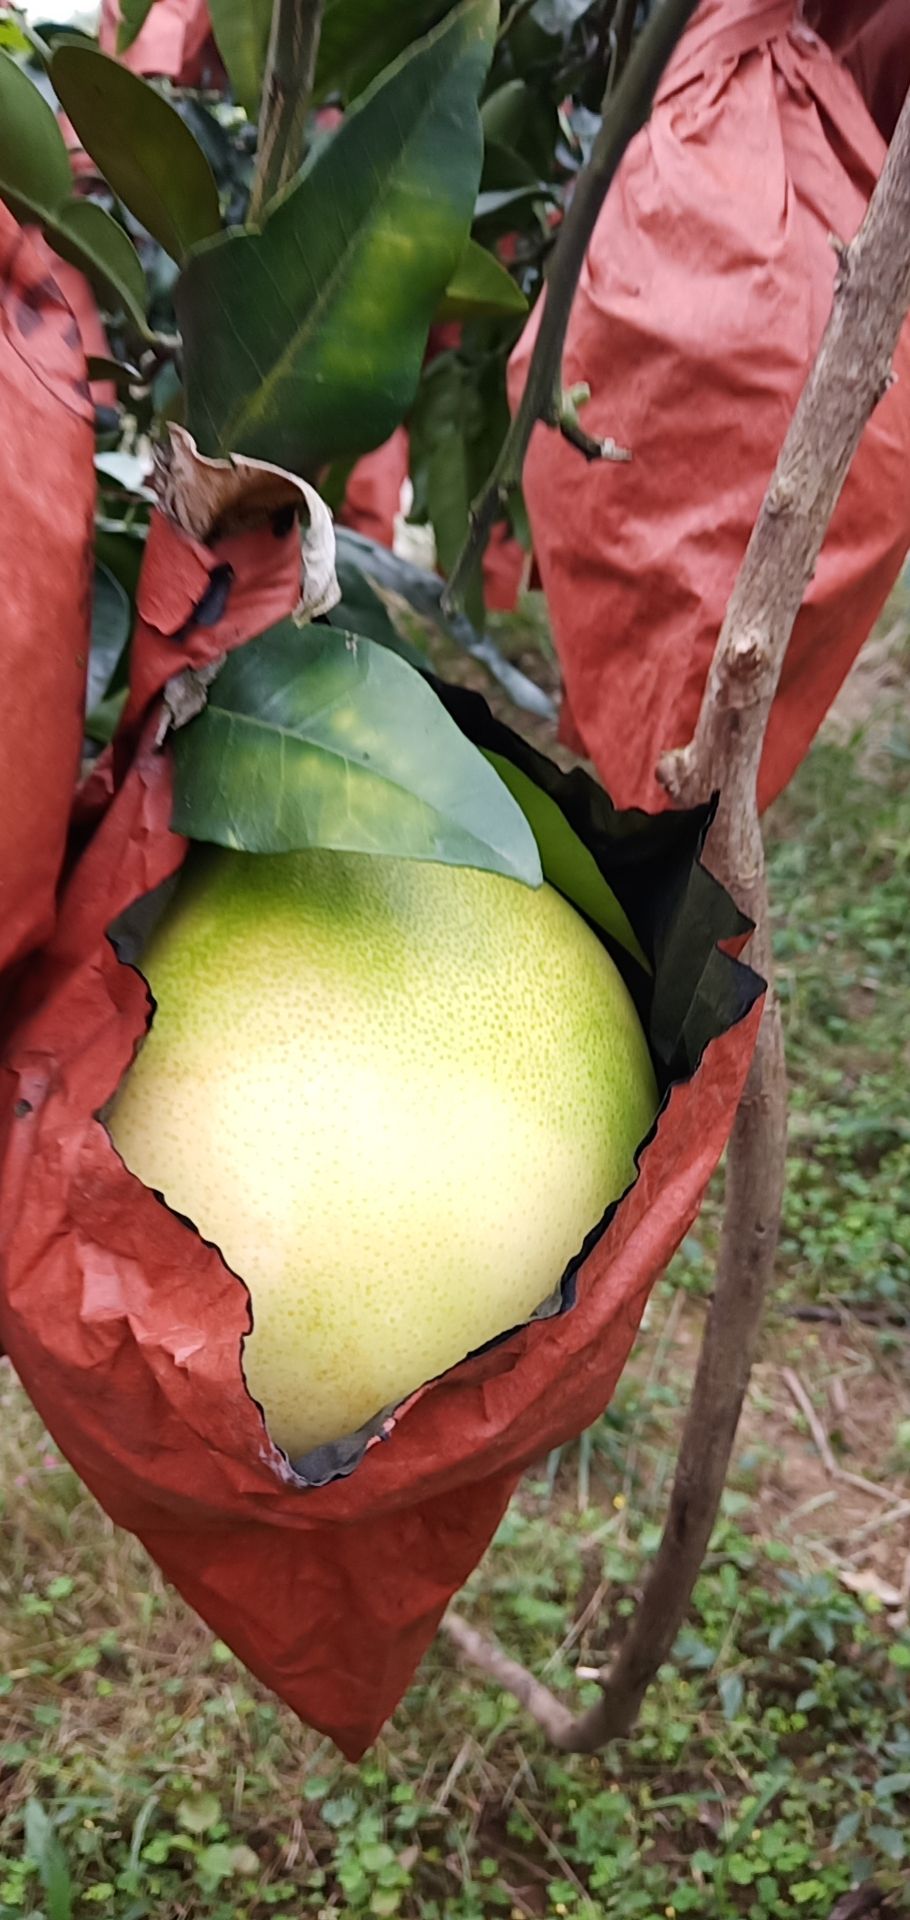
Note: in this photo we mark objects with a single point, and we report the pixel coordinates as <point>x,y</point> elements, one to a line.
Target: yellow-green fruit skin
<point>396,1096</point>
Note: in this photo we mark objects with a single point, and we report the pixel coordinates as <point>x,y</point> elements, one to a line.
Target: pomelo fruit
<point>396,1095</point>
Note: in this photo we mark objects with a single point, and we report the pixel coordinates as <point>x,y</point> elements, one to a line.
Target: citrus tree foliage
<point>387,283</point>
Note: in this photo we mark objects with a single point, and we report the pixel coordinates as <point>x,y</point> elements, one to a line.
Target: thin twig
<point>877,1525</point>
<point>625,111</point>
<point>543,1706</point>
<point>287,92</point>
<point>832,1466</point>
<point>797,1392</point>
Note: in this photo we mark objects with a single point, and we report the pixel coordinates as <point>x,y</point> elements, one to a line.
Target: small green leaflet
<point>481,287</point>
<point>566,861</point>
<point>314,738</point>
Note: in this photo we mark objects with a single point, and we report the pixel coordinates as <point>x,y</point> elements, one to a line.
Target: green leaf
<point>43,1846</point>
<point>441,468</point>
<point>313,738</point>
<point>36,183</point>
<point>890,1784</point>
<point>360,37</point>
<point>102,723</point>
<point>731,1688</point>
<point>846,1830</point>
<point>480,287</point>
<point>241,29</point>
<point>362,610</point>
<point>133,16</point>
<point>515,117</point>
<point>889,1842</point>
<point>89,237</point>
<point>138,141</point>
<point>111,622</point>
<point>457,426</point>
<point>199,1813</point>
<point>35,177</point>
<point>305,341</point>
<point>567,862</point>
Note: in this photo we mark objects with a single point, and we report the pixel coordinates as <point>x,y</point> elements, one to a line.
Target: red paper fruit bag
<point>872,38</point>
<point>701,304</point>
<point>47,488</point>
<point>126,1327</point>
<point>175,41</point>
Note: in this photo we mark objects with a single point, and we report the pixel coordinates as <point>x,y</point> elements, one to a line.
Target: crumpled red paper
<point>126,1327</point>
<point>47,489</point>
<point>174,42</point>
<point>701,304</point>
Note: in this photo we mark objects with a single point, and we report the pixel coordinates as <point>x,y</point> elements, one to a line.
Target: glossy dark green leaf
<point>304,342</point>
<point>133,16</point>
<point>241,30</point>
<point>89,237</point>
<point>505,169</point>
<point>142,147</point>
<point>566,861</point>
<point>481,287</point>
<point>516,118</point>
<point>313,738</point>
<point>111,620</point>
<point>36,183</point>
<point>360,37</point>
<point>35,175</point>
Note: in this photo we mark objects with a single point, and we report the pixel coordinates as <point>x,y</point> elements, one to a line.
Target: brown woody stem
<point>287,92</point>
<point>851,373</point>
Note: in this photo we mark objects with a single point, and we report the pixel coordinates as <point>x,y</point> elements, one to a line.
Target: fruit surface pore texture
<point>396,1096</point>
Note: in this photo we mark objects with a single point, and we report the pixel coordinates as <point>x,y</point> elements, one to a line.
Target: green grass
<point>839,878</point>
<point>142,1773</point>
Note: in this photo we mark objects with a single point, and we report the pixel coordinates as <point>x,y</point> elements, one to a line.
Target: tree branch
<point>850,375</point>
<point>287,92</point>
<point>626,109</point>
